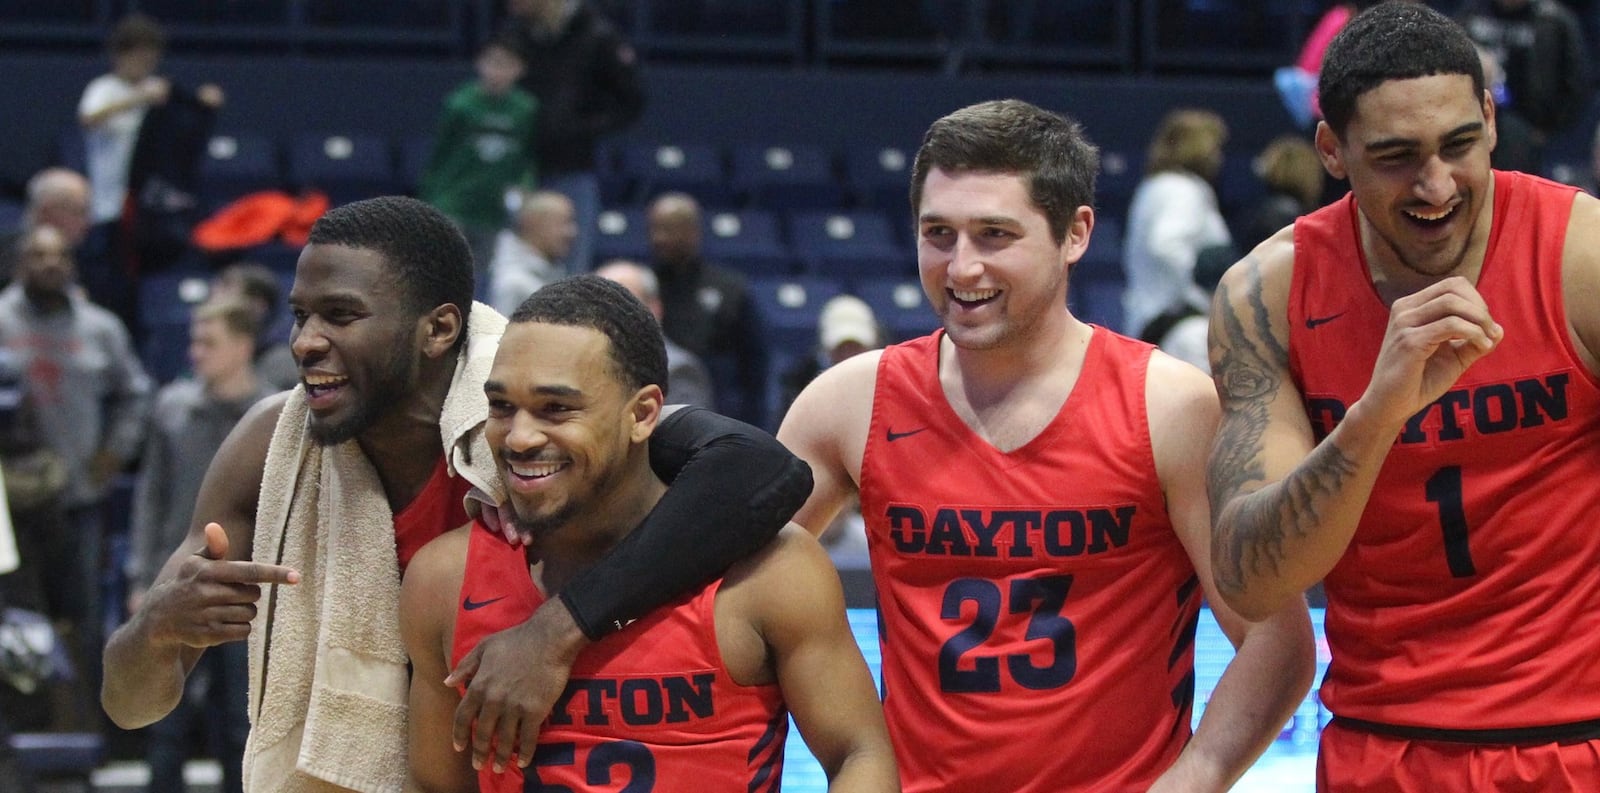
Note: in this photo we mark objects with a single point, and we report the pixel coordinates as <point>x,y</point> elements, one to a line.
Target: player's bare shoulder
<point>853,376</point>
<point>1249,311</point>
<point>1182,408</point>
<point>1581,277</point>
<point>834,410</point>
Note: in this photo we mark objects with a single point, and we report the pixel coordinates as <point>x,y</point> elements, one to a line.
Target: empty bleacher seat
<point>621,234</point>
<point>899,305</point>
<point>1239,187</point>
<point>749,241</point>
<point>1120,174</point>
<point>166,301</point>
<point>696,169</point>
<point>1103,260</point>
<point>1098,302</point>
<point>11,213</point>
<point>235,164</point>
<point>415,151</point>
<point>787,309</point>
<point>785,177</point>
<point>348,166</point>
<point>851,245</point>
<point>879,176</point>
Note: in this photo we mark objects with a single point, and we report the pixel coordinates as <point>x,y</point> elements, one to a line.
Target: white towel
<point>331,715</point>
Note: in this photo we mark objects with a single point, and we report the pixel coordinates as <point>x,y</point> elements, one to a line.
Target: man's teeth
<point>1439,215</point>
<point>536,471</point>
<point>316,381</point>
<point>970,296</point>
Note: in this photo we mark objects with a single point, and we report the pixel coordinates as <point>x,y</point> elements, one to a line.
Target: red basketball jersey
<point>1038,610</point>
<point>1469,597</point>
<point>438,508</point>
<point>650,707</point>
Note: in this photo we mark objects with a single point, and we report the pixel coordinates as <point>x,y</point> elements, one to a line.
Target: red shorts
<point>1354,761</point>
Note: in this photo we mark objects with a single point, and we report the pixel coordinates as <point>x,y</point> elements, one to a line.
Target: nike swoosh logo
<point>1313,322</point>
<point>894,436</point>
<point>473,605</point>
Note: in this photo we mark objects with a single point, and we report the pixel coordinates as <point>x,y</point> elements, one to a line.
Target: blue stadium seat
<point>621,234</point>
<point>279,257</point>
<point>1096,301</point>
<point>1103,260</point>
<point>212,12</point>
<point>787,309</point>
<point>415,150</point>
<point>11,213</point>
<point>696,169</point>
<point>236,164</point>
<point>849,245</point>
<point>784,177</point>
<point>348,166</point>
<point>1239,187</point>
<point>879,176</point>
<point>166,301</point>
<point>748,241</point>
<point>616,187</point>
<point>69,151</point>
<point>1120,174</point>
<point>900,306</point>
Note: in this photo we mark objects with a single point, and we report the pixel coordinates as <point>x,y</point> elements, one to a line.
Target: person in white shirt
<point>113,106</point>
<point>1173,217</point>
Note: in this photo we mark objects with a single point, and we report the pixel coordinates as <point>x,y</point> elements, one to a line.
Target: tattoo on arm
<point>1251,360</point>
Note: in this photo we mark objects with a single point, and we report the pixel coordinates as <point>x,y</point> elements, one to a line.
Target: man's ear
<point>440,328</point>
<point>645,412</point>
<point>1328,151</point>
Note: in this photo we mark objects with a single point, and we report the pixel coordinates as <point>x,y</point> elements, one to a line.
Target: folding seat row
<point>848,244</point>
<point>778,177</point>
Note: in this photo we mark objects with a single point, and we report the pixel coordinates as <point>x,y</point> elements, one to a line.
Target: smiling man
<point>316,502</point>
<point>694,695</point>
<point>1411,413</point>
<point>1033,494</point>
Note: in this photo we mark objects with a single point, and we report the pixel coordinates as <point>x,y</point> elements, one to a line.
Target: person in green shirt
<point>483,148</point>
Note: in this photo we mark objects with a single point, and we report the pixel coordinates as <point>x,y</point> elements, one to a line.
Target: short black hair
<point>1048,150</point>
<point>638,349</point>
<point>426,253</point>
<point>1391,41</point>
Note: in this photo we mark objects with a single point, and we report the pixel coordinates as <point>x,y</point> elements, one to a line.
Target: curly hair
<point>638,352</point>
<point>425,252</point>
<point>1391,41</point>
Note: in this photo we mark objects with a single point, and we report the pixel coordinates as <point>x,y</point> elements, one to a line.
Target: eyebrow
<point>987,220</point>
<point>1391,143</point>
<point>495,386</point>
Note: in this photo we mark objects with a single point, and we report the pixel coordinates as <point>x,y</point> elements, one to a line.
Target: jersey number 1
<point>1444,489</point>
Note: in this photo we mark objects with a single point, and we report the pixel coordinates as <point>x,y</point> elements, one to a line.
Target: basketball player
<point>1411,414</point>
<point>1033,494</point>
<point>695,695</point>
<point>385,339</point>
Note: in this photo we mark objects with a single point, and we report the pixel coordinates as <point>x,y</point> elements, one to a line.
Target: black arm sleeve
<point>732,488</point>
